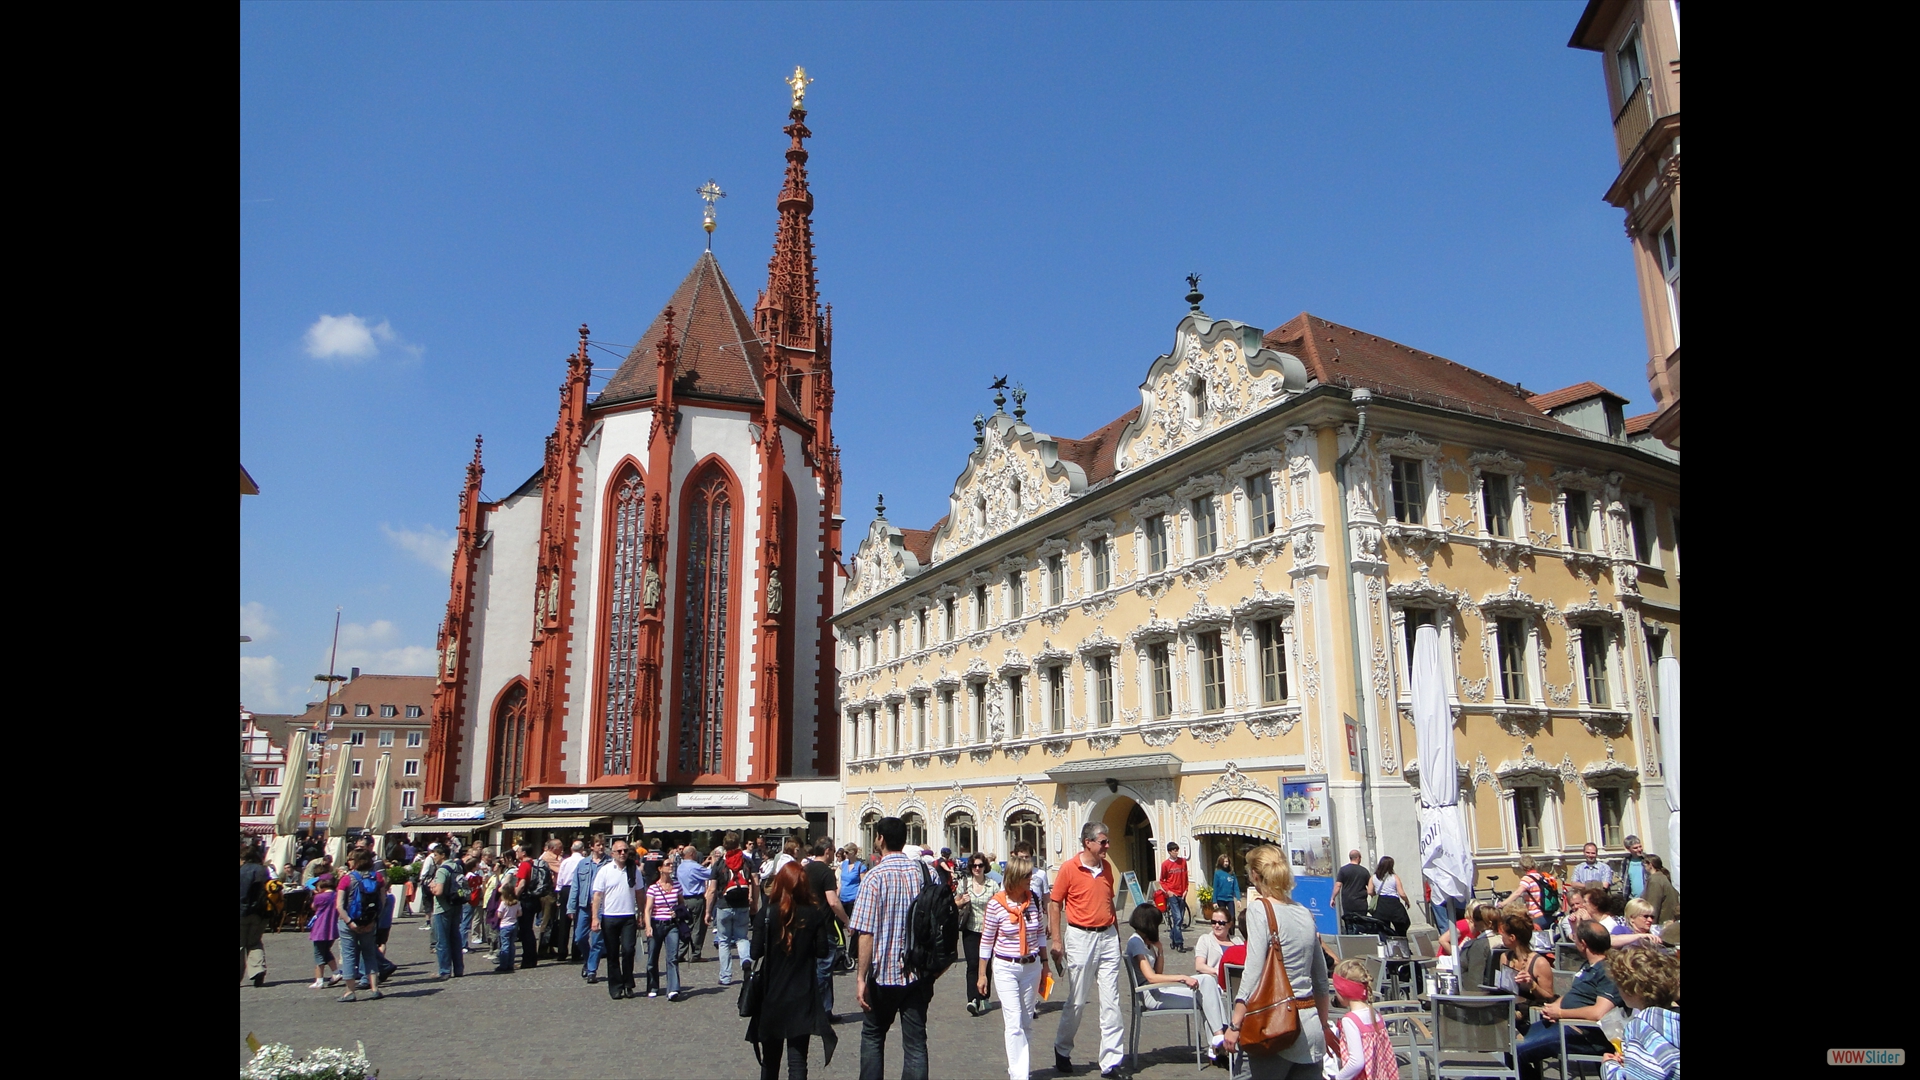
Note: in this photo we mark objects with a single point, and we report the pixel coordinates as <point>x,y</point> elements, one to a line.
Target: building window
<point>1213,672</point>
<point>1102,564</point>
<point>1670,268</point>
<point>1613,812</point>
<point>1273,662</point>
<point>893,727</point>
<point>1197,399</point>
<point>1416,618</point>
<point>387,711</point>
<point>706,619</point>
<point>1103,690</point>
<point>1260,505</point>
<point>358,738</point>
<point>509,743</point>
<point>899,635</point>
<point>414,738</point>
<point>920,723</point>
<point>363,710</point>
<point>407,797</point>
<point>953,621</point>
<point>411,767</point>
<point>1156,543</point>
<point>386,738</point>
<point>960,833</point>
<point>1579,519</point>
<point>916,828</point>
<point>1162,669</point>
<point>1057,698</point>
<point>1409,494</point>
<point>1526,817</point>
<point>1674,520</point>
<point>1496,501</point>
<point>979,607</point>
<point>979,712</point>
<point>413,712</point>
<point>336,710</point>
<point>920,628</point>
<point>355,771</point>
<point>1512,635</point>
<point>1639,520</point>
<point>1593,664</point>
<point>1056,581</point>
<point>946,718</point>
<point>266,806</point>
<point>353,797</point>
<point>1016,707</point>
<point>1026,825</point>
<point>1016,594</point>
<point>1206,531</point>
<point>1631,70</point>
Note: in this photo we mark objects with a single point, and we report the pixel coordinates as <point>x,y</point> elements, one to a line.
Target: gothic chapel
<point>672,563</point>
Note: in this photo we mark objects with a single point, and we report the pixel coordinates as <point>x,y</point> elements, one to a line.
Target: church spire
<point>789,311</point>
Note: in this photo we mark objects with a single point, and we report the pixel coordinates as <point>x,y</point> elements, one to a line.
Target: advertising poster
<point>1132,882</point>
<point>1307,822</point>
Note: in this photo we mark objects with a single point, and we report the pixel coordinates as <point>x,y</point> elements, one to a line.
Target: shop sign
<point>567,802</point>
<point>462,813</point>
<point>713,800</point>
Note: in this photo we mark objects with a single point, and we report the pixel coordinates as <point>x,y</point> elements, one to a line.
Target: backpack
<point>1549,893</point>
<point>539,880</point>
<point>933,928</point>
<point>363,897</point>
<point>739,884</point>
<point>452,897</point>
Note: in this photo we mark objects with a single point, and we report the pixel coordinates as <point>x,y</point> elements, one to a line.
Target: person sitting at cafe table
<point>1531,973</point>
<point>1591,996</point>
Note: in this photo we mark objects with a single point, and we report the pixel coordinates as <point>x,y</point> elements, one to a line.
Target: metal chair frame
<point>1196,1020</point>
<point>1476,1050</point>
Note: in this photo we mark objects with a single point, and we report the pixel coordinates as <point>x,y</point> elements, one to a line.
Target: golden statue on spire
<point>799,83</point>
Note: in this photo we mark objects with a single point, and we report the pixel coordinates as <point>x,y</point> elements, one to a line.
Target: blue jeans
<point>587,943</point>
<point>909,1003</point>
<point>731,929</point>
<point>447,948</point>
<point>360,954</point>
<point>665,937</point>
<point>1177,919</point>
<point>466,924</point>
<point>504,957</point>
<point>823,980</point>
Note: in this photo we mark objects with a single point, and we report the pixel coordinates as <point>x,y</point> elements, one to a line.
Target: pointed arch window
<point>705,640</point>
<point>510,742</point>
<point>624,601</point>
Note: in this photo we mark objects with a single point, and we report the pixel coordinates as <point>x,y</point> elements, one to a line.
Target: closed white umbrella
<point>1443,849</point>
<point>292,790</point>
<point>337,813</point>
<point>1670,755</point>
<point>377,810</point>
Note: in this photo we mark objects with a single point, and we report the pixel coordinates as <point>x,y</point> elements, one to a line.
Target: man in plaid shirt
<point>882,987</point>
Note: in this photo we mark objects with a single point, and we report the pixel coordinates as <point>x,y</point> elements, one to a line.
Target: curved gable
<point>1217,373</point>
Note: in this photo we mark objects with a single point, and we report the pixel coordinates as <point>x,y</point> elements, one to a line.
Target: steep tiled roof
<point>720,356</point>
<point>920,541</point>
<point>1639,424</point>
<point>1094,454</point>
<point>1567,395</point>
<point>1342,356</point>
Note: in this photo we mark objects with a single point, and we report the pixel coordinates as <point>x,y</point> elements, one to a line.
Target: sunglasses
<point>1220,922</point>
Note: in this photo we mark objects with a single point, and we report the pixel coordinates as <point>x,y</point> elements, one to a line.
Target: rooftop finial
<point>979,430</point>
<point>1020,402</point>
<point>999,388</point>
<point>799,83</point>
<point>709,191</point>
<point>880,506</point>
<point>1193,292</point>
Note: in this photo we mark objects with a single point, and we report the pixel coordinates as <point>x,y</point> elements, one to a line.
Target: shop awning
<point>1239,817</point>
<point>702,822</point>
<point>568,821</point>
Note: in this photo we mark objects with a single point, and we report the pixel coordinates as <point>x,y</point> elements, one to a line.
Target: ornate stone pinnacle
<point>880,505</point>
<point>979,430</point>
<point>1193,292</point>
<point>1020,402</point>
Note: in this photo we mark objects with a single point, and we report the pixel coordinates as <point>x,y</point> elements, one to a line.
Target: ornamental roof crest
<point>881,561</point>
<point>1015,474</point>
<point>1217,373</point>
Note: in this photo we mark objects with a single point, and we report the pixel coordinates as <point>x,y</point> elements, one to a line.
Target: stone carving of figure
<point>774,593</point>
<point>452,654</point>
<point>651,588</point>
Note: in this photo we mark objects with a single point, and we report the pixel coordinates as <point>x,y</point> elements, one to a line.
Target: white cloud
<point>375,648</point>
<point>256,621</point>
<point>429,545</point>
<point>350,339</point>
<point>260,684</point>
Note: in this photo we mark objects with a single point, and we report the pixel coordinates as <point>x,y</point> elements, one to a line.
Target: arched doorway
<point>960,833</point>
<point>1026,825</point>
<point>916,827</point>
<point>1132,834</point>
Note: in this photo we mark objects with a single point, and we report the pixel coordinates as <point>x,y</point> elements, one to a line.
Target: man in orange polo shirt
<point>1086,891</point>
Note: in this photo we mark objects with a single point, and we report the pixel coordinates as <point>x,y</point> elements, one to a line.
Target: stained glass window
<point>510,742</point>
<point>703,652</point>
<point>624,603</point>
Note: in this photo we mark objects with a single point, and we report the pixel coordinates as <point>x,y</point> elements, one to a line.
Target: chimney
<point>355,675</point>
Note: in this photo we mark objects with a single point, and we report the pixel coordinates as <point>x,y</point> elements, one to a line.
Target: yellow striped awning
<point>1239,817</point>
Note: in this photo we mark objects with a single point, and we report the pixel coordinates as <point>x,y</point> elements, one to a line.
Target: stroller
<point>1359,923</point>
<point>843,950</point>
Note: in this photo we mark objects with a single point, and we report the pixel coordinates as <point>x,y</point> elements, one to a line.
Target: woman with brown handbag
<point>1280,1009</point>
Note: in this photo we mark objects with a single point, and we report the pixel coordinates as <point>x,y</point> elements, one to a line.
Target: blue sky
<point>433,197</point>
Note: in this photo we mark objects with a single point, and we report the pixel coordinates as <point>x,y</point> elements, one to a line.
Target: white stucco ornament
<point>1217,373</point>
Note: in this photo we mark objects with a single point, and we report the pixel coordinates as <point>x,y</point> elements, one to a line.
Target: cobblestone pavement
<point>547,1022</point>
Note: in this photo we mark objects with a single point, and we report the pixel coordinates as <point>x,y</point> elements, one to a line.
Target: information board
<point>1307,821</point>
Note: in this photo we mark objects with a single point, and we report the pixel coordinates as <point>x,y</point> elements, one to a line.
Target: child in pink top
<point>1366,1053</point>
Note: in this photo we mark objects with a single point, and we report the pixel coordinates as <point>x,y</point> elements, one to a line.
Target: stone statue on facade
<point>651,588</point>
<point>774,592</point>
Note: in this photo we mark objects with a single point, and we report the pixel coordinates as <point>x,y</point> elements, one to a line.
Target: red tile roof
<point>1553,399</point>
<point>720,356</point>
<point>920,541</point>
<point>1638,424</point>
<point>1095,453</point>
<point>1342,356</point>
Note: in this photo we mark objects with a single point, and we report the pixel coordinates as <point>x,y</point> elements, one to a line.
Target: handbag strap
<point>1273,948</point>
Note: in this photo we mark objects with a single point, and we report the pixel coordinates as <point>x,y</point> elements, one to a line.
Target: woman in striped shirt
<point>1013,952</point>
<point>663,933</point>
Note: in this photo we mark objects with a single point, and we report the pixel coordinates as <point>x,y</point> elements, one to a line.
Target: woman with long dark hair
<point>971,895</point>
<point>790,936</point>
<point>1390,898</point>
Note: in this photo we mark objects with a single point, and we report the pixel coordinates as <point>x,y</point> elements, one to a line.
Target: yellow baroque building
<point>1196,623</point>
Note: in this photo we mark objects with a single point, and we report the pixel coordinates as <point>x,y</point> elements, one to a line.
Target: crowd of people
<point>785,920</point>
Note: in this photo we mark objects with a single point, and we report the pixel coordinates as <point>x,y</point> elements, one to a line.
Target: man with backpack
<point>587,940</point>
<point>1542,894</point>
<point>534,885</point>
<point>908,927</point>
<point>357,902</point>
<point>448,894</point>
<point>732,897</point>
<point>1087,892</point>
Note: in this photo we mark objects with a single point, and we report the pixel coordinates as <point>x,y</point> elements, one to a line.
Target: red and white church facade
<point>673,563</point>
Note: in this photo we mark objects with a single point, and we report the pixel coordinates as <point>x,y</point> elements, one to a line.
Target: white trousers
<point>1018,988</point>
<point>1093,959</point>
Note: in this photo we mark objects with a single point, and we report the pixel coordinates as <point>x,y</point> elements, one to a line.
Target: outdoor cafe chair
<point>1145,1005</point>
<point>1472,1037</point>
<point>1569,1059</point>
<point>1357,945</point>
